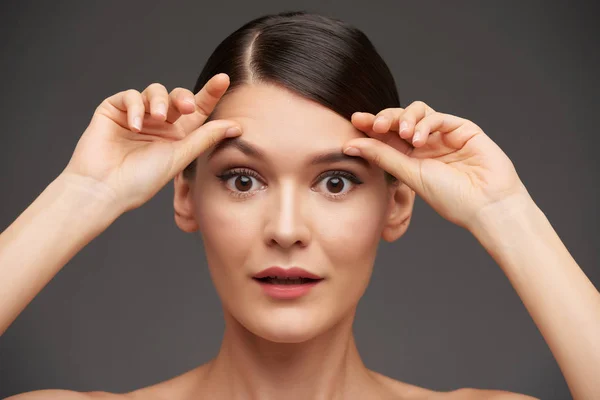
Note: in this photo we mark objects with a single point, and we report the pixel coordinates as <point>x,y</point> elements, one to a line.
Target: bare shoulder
<point>407,391</point>
<point>56,394</point>
<point>184,386</point>
<point>179,387</point>
<point>484,394</point>
<point>404,390</point>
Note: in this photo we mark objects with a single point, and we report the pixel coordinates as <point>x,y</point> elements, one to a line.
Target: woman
<point>292,159</point>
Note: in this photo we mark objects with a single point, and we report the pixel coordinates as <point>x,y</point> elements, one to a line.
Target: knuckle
<point>390,114</point>
<point>155,86</point>
<point>131,92</point>
<point>377,160</point>
<point>101,106</point>
<point>179,91</point>
<point>157,93</point>
<point>132,99</point>
<point>472,125</point>
<point>211,133</point>
<point>212,139</point>
<point>434,116</point>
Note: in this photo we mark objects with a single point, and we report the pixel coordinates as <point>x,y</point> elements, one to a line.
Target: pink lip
<point>279,272</point>
<point>286,291</point>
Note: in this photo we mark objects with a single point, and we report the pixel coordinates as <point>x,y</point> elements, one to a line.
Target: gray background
<point>136,306</point>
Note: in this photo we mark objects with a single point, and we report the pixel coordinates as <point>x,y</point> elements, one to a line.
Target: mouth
<point>274,280</point>
<point>283,276</point>
<point>286,283</point>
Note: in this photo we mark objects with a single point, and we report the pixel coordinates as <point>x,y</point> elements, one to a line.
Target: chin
<point>287,324</point>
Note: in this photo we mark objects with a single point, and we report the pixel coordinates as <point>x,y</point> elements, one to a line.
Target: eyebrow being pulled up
<point>251,151</point>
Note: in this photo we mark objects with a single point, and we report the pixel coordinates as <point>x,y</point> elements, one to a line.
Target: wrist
<point>86,198</point>
<point>512,214</point>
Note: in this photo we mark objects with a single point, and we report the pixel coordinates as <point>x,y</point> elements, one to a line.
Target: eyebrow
<point>252,151</point>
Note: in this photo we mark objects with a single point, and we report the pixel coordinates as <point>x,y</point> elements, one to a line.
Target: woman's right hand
<point>137,142</point>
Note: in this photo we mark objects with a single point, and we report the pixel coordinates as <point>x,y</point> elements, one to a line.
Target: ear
<point>184,205</point>
<point>400,209</point>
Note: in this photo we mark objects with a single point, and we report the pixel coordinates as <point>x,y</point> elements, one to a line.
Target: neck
<point>325,367</point>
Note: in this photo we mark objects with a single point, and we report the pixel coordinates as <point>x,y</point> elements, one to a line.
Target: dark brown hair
<point>318,57</point>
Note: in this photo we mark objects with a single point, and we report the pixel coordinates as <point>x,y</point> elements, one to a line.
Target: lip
<point>286,291</point>
<point>294,272</point>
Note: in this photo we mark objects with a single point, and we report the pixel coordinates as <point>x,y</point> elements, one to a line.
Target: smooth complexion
<point>293,213</point>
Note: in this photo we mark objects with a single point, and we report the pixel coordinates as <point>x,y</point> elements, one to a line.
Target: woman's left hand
<point>447,160</point>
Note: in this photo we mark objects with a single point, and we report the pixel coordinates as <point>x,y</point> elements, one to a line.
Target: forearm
<point>66,216</point>
<point>562,301</point>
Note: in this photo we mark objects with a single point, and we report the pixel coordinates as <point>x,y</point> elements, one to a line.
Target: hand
<point>137,142</point>
<point>451,163</point>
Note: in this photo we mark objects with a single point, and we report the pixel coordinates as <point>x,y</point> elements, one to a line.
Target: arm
<point>465,176</point>
<point>65,217</point>
<point>118,164</point>
<point>103,180</point>
<point>562,301</point>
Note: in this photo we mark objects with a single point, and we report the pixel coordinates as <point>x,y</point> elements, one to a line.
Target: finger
<point>415,112</point>
<point>403,167</point>
<point>158,99</point>
<point>130,101</point>
<point>364,122</point>
<point>206,100</point>
<point>457,130</point>
<point>385,121</point>
<point>182,102</point>
<point>196,142</point>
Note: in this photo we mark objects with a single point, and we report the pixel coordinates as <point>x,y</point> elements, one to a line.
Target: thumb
<point>403,167</point>
<point>201,139</point>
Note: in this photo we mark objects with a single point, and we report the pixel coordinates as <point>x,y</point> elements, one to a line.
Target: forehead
<point>276,118</point>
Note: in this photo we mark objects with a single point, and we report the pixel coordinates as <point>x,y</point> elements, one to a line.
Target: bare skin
<point>192,385</point>
<point>106,178</point>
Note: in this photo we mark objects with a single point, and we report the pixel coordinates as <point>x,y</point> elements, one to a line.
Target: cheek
<point>229,230</point>
<point>348,234</point>
<point>350,231</point>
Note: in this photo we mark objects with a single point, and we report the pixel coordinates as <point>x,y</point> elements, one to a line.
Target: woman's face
<point>283,194</point>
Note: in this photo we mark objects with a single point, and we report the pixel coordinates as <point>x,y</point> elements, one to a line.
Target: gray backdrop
<point>136,306</point>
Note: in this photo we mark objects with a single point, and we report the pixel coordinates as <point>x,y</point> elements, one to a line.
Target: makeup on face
<point>290,283</point>
<point>248,168</point>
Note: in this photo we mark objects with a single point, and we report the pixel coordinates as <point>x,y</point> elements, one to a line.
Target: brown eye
<point>335,185</point>
<point>243,183</point>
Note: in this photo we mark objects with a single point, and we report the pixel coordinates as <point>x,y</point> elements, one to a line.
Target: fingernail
<point>162,109</point>
<point>416,137</point>
<point>403,126</point>
<point>352,151</point>
<point>380,119</point>
<point>190,101</point>
<point>137,123</point>
<point>233,131</point>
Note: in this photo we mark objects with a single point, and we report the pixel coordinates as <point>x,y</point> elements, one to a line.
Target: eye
<point>241,182</point>
<point>337,184</point>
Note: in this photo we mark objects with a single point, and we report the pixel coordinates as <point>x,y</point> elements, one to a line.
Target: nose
<point>286,224</point>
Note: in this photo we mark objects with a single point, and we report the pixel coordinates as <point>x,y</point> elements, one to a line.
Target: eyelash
<point>236,172</point>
